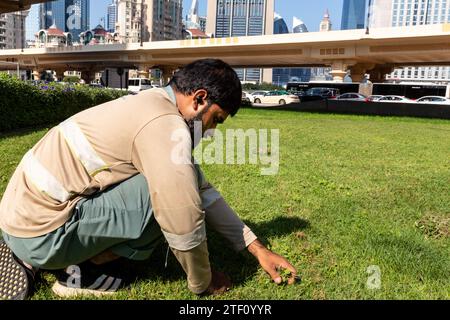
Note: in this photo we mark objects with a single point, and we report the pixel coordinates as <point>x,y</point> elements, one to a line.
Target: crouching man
<point>104,184</point>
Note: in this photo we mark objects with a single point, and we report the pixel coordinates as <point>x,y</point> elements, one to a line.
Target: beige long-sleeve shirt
<point>107,144</point>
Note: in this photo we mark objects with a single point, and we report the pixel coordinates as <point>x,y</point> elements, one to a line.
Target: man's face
<point>195,108</point>
<point>209,118</point>
<point>213,116</point>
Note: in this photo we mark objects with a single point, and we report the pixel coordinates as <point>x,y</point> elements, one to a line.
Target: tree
<point>261,86</point>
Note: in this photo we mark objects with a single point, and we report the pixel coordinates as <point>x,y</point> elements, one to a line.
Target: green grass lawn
<point>351,192</point>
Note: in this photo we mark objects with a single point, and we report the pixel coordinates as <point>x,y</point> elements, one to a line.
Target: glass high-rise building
<point>68,15</point>
<point>298,26</point>
<point>353,14</point>
<point>111,17</point>
<point>239,18</point>
<point>32,22</point>
<point>279,25</point>
<point>281,76</point>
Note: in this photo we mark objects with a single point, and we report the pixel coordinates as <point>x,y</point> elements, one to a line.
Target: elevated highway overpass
<point>18,5</point>
<point>376,53</point>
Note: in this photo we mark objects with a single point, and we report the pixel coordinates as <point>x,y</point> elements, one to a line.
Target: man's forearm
<point>222,218</point>
<point>256,248</point>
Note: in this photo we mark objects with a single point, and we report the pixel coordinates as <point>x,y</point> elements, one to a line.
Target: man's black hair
<point>216,77</point>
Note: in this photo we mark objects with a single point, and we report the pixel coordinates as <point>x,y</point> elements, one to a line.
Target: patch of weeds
<point>434,227</point>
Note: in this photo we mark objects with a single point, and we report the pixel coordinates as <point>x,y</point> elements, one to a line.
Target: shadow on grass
<point>239,266</point>
<point>410,256</point>
<point>25,131</point>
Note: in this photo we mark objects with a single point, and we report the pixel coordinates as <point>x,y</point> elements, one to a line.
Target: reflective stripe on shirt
<point>42,179</point>
<point>186,241</point>
<point>81,147</point>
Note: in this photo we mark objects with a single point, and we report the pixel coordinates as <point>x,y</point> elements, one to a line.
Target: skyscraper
<point>68,15</point>
<point>149,20</point>
<point>325,24</point>
<point>298,26</point>
<point>401,13</point>
<point>32,22</point>
<point>353,14</point>
<point>111,16</point>
<point>396,13</point>
<point>279,25</point>
<point>193,12</point>
<point>194,21</point>
<point>12,30</point>
<point>299,74</point>
<point>280,75</point>
<point>242,18</point>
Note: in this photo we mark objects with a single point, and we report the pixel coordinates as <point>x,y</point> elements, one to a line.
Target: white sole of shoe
<point>67,292</point>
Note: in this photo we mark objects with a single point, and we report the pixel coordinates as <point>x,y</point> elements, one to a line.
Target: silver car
<point>433,100</point>
<point>374,97</point>
<point>397,99</point>
<point>352,96</point>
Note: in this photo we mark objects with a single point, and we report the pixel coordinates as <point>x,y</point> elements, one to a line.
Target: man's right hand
<point>220,283</point>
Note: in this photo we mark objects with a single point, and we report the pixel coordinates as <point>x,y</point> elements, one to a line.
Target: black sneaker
<point>16,280</point>
<point>85,279</point>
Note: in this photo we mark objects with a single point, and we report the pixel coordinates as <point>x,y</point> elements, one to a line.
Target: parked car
<point>314,94</point>
<point>374,97</point>
<point>298,93</point>
<point>352,96</point>
<point>138,84</point>
<point>257,95</point>
<point>278,97</point>
<point>247,97</point>
<point>391,98</point>
<point>433,100</point>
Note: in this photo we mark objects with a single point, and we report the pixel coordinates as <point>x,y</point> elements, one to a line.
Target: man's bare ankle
<point>104,257</point>
<point>29,266</point>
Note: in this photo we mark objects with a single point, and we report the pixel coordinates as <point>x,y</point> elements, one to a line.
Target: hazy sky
<point>310,11</point>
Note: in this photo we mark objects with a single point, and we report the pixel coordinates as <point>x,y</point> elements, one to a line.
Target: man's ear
<point>200,99</point>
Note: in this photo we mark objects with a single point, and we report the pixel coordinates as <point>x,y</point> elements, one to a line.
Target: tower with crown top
<point>325,24</point>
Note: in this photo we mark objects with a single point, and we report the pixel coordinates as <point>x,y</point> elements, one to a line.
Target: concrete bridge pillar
<point>88,76</point>
<point>37,74</point>
<point>59,74</point>
<point>143,71</point>
<point>166,74</point>
<point>379,72</point>
<point>358,74</point>
<point>338,71</point>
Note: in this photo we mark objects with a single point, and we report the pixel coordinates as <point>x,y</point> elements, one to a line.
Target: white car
<point>278,97</point>
<point>433,100</point>
<point>391,98</point>
<point>138,84</point>
<point>257,95</point>
<point>247,96</point>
